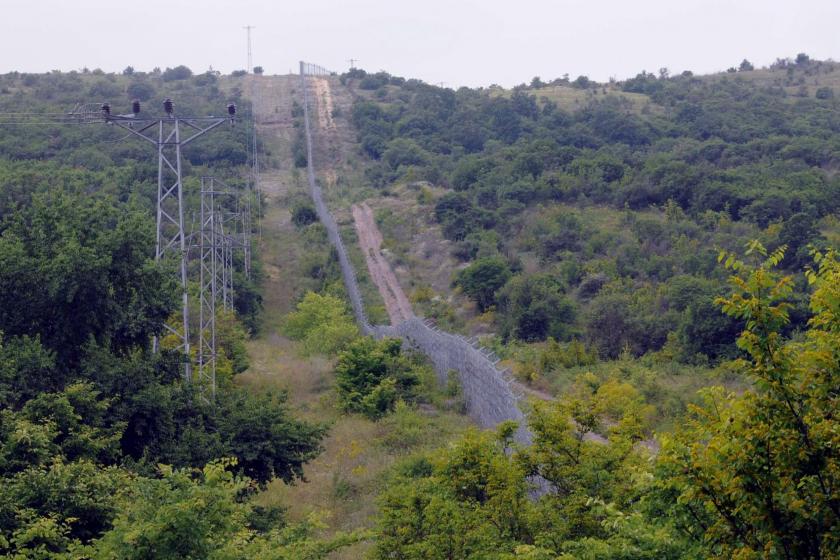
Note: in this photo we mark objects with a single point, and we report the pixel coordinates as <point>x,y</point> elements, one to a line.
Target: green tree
<point>75,269</point>
<point>613,325</point>
<point>201,515</point>
<point>482,279</point>
<point>321,323</point>
<point>46,511</point>
<point>469,503</point>
<point>180,72</point>
<point>266,440</point>
<point>176,516</point>
<point>26,370</point>
<point>403,152</point>
<point>477,499</point>
<point>371,376</point>
<point>140,90</point>
<point>703,329</point>
<point>796,234</point>
<point>532,308</point>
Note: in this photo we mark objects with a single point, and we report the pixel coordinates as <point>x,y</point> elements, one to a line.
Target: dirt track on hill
<point>323,95</point>
<point>397,305</point>
<point>370,240</point>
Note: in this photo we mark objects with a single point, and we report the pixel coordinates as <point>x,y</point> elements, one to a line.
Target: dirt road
<point>370,239</point>
<point>323,96</point>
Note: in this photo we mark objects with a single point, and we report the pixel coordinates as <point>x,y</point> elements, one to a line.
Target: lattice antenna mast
<point>248,29</point>
<point>169,134</point>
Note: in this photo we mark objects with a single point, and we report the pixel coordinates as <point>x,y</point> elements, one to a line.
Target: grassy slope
<point>572,99</point>
<point>344,481</point>
<point>824,74</point>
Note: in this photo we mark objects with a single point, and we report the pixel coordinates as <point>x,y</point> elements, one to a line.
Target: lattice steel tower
<point>208,287</point>
<point>169,134</point>
<point>250,67</point>
<point>222,231</point>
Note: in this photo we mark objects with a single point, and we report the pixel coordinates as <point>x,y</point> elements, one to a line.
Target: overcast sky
<point>459,42</point>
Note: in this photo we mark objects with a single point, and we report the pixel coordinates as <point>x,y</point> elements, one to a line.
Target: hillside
<point>589,243</point>
<point>607,203</point>
<point>644,270</point>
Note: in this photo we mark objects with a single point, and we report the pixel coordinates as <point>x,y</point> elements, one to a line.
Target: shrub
<point>372,376</point>
<point>825,93</point>
<point>482,279</point>
<point>322,323</point>
<point>303,215</point>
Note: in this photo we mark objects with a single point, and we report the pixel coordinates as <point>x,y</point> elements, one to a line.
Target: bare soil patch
<point>323,95</point>
<point>370,240</point>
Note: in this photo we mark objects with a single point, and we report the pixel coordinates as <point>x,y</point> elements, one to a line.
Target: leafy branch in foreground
<point>757,475</point>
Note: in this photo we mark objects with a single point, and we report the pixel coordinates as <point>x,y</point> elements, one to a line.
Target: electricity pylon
<point>169,134</point>
<point>222,231</point>
<point>208,287</point>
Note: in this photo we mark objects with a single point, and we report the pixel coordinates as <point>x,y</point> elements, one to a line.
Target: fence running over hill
<point>487,390</point>
<point>314,70</point>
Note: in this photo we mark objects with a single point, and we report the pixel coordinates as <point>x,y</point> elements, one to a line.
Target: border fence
<point>488,393</point>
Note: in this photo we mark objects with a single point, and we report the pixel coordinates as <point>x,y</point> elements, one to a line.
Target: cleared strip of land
<point>370,239</point>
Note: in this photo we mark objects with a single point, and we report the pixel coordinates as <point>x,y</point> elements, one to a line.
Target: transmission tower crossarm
<point>202,131</point>
<point>137,132</point>
<point>130,125</point>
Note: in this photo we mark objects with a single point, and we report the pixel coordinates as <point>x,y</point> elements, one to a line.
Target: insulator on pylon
<point>168,106</point>
<point>135,107</point>
<point>231,109</point>
<point>106,110</point>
